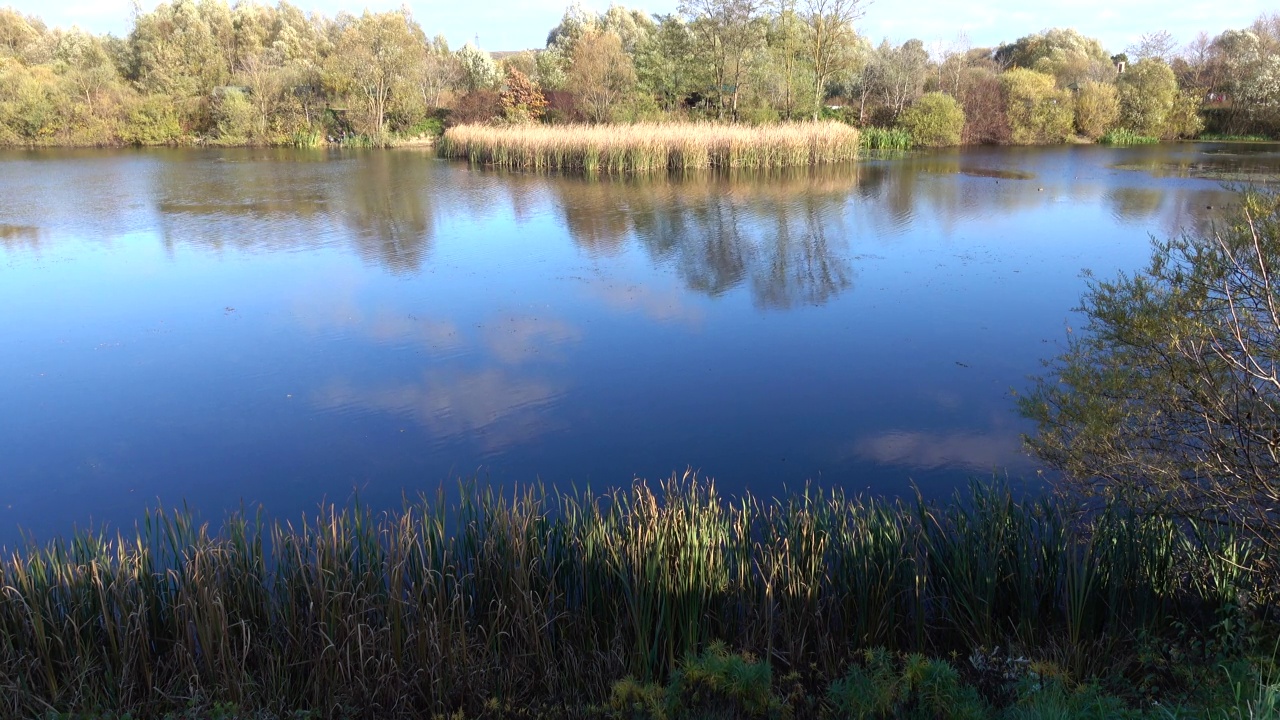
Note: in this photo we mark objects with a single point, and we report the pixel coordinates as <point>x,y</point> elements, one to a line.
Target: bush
<point>1148,92</point>
<point>478,106</point>
<point>1038,112</point>
<point>986,121</point>
<point>1097,108</point>
<point>151,120</point>
<point>718,684</point>
<point>233,117</point>
<point>935,120</point>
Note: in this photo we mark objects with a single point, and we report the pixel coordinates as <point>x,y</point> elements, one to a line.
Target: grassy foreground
<point>649,147</point>
<point>635,603</point>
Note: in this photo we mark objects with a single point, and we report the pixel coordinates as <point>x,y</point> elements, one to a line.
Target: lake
<point>286,327</point>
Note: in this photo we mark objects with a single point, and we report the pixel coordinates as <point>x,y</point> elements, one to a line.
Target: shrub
<point>1148,91</point>
<point>151,120</point>
<point>233,117</point>
<point>935,120</point>
<point>1097,108</point>
<point>986,121</point>
<point>1038,112</point>
<point>1167,399</point>
<point>870,692</point>
<point>718,684</point>
<point>477,106</point>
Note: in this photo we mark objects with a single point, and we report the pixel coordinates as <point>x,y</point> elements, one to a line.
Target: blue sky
<point>517,24</point>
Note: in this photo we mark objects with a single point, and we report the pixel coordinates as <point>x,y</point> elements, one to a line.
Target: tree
<point>1097,108</point>
<point>600,73</point>
<point>899,73</point>
<point>1250,75</point>
<point>729,30</point>
<point>266,80</point>
<point>830,39</point>
<point>935,120</point>
<point>1170,398</point>
<point>1038,112</point>
<point>1063,53</point>
<point>1158,45</point>
<point>439,72</point>
<point>374,62</point>
<point>667,64</point>
<point>1148,91</point>
<point>479,71</point>
<point>522,101</point>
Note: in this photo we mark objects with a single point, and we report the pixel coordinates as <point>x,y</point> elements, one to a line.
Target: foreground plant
<point>1169,399</point>
<point>506,604</point>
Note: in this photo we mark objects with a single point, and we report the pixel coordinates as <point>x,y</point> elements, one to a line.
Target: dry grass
<point>652,147</point>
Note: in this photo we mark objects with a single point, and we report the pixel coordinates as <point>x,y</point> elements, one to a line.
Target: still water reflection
<point>283,327</point>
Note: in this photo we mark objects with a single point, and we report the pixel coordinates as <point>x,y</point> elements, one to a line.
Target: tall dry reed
<point>651,147</point>
<point>530,599</point>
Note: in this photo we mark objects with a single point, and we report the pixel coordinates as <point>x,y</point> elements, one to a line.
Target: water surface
<point>283,327</point>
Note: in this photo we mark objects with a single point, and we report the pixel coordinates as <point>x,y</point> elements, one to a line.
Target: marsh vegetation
<point>508,602</point>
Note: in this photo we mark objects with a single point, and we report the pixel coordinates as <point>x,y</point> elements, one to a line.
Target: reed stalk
<point>529,597</point>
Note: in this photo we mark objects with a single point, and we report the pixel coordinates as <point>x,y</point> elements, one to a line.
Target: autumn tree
<point>600,73</point>
<point>522,100</point>
<point>1068,56</point>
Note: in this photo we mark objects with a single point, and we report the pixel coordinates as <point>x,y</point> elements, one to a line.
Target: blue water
<point>287,327</point>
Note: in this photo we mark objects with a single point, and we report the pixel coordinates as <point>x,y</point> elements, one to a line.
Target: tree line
<point>203,71</point>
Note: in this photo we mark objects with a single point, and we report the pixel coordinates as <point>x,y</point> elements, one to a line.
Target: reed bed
<point>1122,136</point>
<point>651,147</point>
<point>877,138</point>
<point>532,599</point>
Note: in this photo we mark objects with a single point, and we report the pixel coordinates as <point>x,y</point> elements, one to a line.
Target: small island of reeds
<point>652,147</point>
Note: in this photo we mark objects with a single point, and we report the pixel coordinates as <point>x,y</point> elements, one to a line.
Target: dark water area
<point>286,327</point>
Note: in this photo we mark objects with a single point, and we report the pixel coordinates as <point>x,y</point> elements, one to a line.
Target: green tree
<point>479,71</point>
<point>1148,91</point>
<point>1097,108</point>
<point>935,120</point>
<point>1038,112</point>
<point>1169,399</point>
<point>374,63</point>
<point>667,64</point>
<point>729,31</point>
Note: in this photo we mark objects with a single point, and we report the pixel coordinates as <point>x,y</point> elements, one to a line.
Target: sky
<point>520,24</point>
